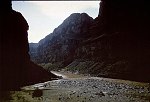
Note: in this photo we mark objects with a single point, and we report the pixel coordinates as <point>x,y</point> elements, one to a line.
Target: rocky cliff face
<point>16,69</point>
<point>118,46</point>
<point>116,43</point>
<point>60,45</point>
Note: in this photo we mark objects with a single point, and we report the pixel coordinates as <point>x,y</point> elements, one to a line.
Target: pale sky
<point>44,16</point>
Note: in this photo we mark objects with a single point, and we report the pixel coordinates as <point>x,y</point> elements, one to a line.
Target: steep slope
<point>119,43</point>
<point>16,69</point>
<point>60,45</point>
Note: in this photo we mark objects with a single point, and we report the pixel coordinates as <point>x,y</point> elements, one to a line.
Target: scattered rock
<point>37,93</point>
<point>100,94</point>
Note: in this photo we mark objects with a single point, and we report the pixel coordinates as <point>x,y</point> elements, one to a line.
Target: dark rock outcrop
<point>119,41</point>
<point>16,69</point>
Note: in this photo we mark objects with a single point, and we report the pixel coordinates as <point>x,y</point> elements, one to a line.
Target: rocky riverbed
<point>84,89</point>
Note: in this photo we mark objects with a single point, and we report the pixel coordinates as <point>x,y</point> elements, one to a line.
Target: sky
<point>44,16</point>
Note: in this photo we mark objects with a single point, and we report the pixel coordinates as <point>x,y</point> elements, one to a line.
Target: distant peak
<point>78,15</point>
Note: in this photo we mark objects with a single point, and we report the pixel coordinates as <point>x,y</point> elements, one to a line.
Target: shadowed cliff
<point>119,40</point>
<point>16,69</point>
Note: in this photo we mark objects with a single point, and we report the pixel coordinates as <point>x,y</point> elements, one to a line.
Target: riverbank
<point>80,88</point>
